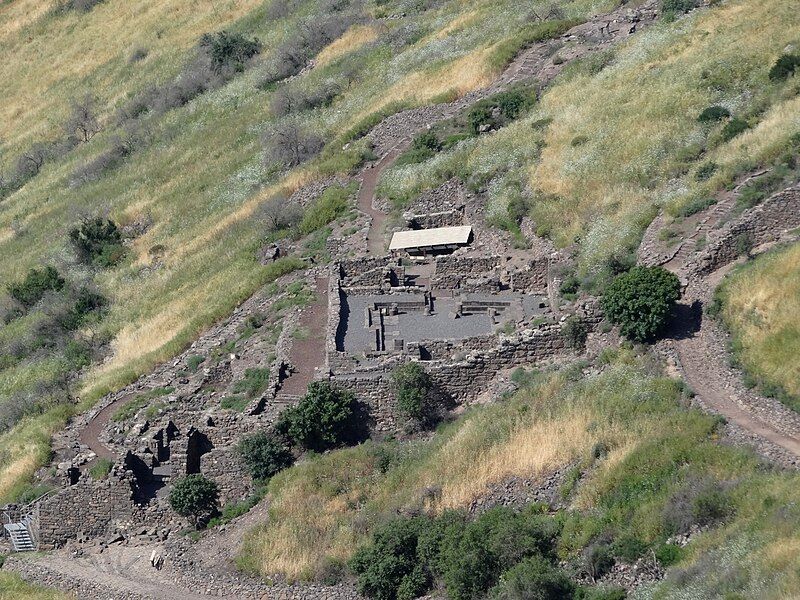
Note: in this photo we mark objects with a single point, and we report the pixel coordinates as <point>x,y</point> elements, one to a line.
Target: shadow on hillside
<point>685,321</point>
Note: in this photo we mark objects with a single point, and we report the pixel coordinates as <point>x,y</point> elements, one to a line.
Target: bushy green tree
<point>229,50</point>
<point>784,67</point>
<point>713,114</point>
<point>390,562</point>
<point>640,301</point>
<point>265,455</point>
<point>326,417</point>
<point>36,283</point>
<point>412,386</point>
<point>194,496</point>
<point>575,332</point>
<point>533,579</point>
<point>97,241</point>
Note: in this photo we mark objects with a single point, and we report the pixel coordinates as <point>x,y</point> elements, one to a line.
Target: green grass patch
<point>134,405</point>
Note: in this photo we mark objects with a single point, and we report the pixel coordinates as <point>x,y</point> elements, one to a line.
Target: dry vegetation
<point>639,448</point>
<point>761,302</point>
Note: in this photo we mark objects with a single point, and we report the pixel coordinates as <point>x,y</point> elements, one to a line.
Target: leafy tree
<point>265,455</point>
<point>229,50</point>
<point>533,579</point>
<point>326,417</point>
<point>36,283</point>
<point>640,300</point>
<point>390,562</point>
<point>194,496</point>
<point>784,67</point>
<point>412,386</point>
<point>575,332</point>
<point>97,241</point>
<point>713,114</point>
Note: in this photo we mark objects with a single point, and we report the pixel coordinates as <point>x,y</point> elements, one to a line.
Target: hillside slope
<point>151,155</point>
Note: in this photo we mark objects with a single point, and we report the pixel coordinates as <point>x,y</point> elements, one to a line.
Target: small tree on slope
<point>640,301</point>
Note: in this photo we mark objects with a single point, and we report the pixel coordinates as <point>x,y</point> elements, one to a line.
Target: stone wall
<point>455,272</point>
<point>88,508</point>
<point>449,218</point>
<point>764,223</point>
<point>446,349</point>
<point>450,196</point>
<point>531,279</point>
<point>460,381</point>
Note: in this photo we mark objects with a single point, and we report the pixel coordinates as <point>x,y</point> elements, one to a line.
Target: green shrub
<point>100,469</point>
<point>533,579</point>
<point>97,241</point>
<point>195,497</point>
<point>733,128</point>
<point>254,382</point>
<point>390,562</point>
<point>473,558</point>
<point>229,51</point>
<point>265,455</point>
<point>670,8</point>
<point>575,332</point>
<point>669,554</point>
<point>784,67</point>
<point>86,303</point>
<point>326,417</point>
<point>713,114</point>
<point>237,403</point>
<point>640,301</point>
<point>193,362</point>
<point>500,109</point>
<point>412,387</point>
<point>36,283</point>
<point>333,202</point>
<point>695,206</point>
<point>570,286</point>
<point>705,171</point>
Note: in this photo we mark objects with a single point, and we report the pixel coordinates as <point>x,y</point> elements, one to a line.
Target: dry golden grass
<point>322,507</point>
<point>470,72</point>
<point>635,116</point>
<point>354,38</point>
<point>79,53</point>
<point>762,304</point>
<point>461,21</point>
<point>531,449</point>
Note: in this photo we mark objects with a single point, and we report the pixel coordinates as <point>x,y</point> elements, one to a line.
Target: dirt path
<point>366,196</point>
<point>701,348</point>
<point>90,435</point>
<point>308,347</point>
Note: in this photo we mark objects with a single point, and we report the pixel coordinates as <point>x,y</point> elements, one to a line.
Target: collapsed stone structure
<point>465,317</point>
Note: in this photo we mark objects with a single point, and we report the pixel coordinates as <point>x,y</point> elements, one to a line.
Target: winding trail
<point>701,349</point>
<point>366,196</point>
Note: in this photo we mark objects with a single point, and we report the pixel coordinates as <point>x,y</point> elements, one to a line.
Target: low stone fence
<point>88,508</point>
<point>448,218</point>
<point>532,279</point>
<point>766,222</point>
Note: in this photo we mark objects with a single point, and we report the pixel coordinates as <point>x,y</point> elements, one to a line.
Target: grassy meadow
<point>637,452</point>
<point>617,135</point>
<point>760,304</point>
